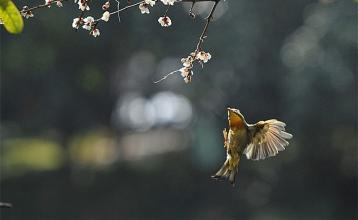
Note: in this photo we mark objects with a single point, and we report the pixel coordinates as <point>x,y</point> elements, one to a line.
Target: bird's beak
<point>232,110</point>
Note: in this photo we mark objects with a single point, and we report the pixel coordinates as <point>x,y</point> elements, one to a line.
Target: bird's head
<point>236,119</point>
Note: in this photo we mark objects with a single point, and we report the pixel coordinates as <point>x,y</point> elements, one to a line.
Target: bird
<point>257,141</point>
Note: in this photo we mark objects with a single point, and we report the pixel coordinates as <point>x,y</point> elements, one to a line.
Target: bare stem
<point>166,11</point>
<point>122,9</point>
<point>205,30</point>
<point>127,7</point>
<point>166,76</point>
<point>138,3</point>
<point>40,6</point>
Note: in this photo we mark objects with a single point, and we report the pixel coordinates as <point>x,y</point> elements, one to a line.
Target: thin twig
<point>191,14</point>
<point>118,7</point>
<point>205,30</point>
<point>166,76</point>
<point>166,11</point>
<point>122,9</point>
<point>127,7</point>
<point>40,6</point>
<point>138,3</point>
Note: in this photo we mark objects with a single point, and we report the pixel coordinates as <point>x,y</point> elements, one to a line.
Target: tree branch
<point>205,30</point>
<point>40,6</point>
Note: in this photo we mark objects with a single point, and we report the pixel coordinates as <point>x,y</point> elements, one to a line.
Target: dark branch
<point>205,30</point>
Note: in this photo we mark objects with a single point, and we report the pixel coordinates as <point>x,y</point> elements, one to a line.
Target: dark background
<point>85,134</point>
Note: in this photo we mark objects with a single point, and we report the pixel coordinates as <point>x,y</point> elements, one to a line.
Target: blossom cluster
<point>87,23</point>
<point>90,24</point>
<point>186,71</point>
<point>164,21</point>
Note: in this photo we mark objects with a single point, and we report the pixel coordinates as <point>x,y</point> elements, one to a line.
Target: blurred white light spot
<point>300,46</point>
<point>203,9</point>
<point>164,108</point>
<point>140,113</point>
<point>172,108</point>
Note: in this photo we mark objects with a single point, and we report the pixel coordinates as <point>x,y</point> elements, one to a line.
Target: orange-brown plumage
<point>258,141</point>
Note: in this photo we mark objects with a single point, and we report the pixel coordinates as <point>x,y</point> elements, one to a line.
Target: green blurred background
<point>85,134</point>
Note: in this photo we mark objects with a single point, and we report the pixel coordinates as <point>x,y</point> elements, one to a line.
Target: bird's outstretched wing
<point>267,139</point>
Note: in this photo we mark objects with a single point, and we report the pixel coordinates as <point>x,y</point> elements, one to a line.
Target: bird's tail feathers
<point>227,172</point>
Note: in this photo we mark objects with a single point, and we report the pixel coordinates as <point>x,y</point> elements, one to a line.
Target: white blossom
<point>76,23</point>
<point>88,19</point>
<point>27,14</point>
<point>59,4</point>
<point>87,23</point>
<point>186,73</point>
<point>106,6</point>
<point>105,16</point>
<point>165,21</point>
<point>144,8</point>
<point>95,32</point>
<point>149,2</point>
<point>83,5</point>
<point>202,56</point>
<point>168,2</point>
<point>48,2</point>
<point>187,62</point>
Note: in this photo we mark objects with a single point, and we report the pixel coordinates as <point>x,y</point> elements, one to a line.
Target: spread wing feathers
<point>267,139</point>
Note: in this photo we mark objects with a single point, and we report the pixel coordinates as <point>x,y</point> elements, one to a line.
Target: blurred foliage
<point>26,154</point>
<point>93,149</point>
<point>85,134</point>
<point>10,17</point>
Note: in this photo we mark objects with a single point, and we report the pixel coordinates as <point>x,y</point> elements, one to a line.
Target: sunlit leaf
<point>11,17</point>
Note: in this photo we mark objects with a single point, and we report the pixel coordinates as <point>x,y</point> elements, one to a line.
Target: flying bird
<point>257,141</point>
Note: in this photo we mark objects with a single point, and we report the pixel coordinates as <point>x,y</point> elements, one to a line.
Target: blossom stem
<point>40,6</point>
<point>122,9</point>
<point>166,11</point>
<point>138,3</point>
<point>127,7</point>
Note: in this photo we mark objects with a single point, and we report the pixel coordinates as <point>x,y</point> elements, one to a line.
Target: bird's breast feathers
<point>237,139</point>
